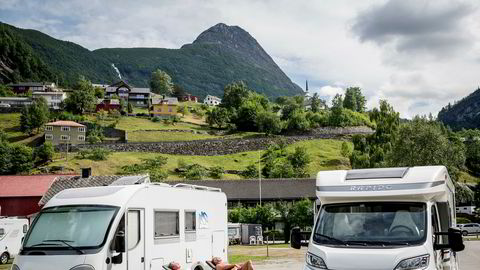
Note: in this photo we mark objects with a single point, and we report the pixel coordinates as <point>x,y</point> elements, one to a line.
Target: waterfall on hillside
<point>118,71</point>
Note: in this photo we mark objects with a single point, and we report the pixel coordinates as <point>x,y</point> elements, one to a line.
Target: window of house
<point>48,136</point>
<point>190,221</point>
<point>166,224</point>
<point>81,129</point>
<point>49,128</point>
<point>65,129</point>
<point>81,138</point>
<point>64,137</point>
<point>133,223</point>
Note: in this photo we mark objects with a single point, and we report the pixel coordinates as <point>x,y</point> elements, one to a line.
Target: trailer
<point>234,233</point>
<point>389,218</point>
<point>143,226</point>
<point>12,231</point>
<point>245,234</point>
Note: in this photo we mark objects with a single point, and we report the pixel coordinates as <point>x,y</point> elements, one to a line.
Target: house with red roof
<point>20,194</point>
<point>65,132</point>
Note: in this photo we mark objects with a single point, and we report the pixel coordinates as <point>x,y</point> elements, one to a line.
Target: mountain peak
<point>227,35</point>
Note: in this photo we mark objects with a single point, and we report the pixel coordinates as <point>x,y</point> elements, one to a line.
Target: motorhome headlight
<point>420,262</point>
<point>15,267</point>
<point>83,267</point>
<point>315,261</point>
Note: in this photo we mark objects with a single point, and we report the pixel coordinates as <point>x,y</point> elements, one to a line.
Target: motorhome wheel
<point>4,258</point>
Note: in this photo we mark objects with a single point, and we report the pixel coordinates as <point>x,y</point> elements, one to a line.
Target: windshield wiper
<point>377,242</point>
<point>66,242</point>
<point>331,238</point>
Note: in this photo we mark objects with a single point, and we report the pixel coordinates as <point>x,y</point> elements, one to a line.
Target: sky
<point>418,54</point>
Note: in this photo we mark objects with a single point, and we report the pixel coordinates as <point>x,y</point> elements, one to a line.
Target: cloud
<point>328,92</point>
<point>427,26</point>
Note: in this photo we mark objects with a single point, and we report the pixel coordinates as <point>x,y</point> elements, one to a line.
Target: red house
<point>20,195</point>
<point>188,97</point>
<point>108,105</point>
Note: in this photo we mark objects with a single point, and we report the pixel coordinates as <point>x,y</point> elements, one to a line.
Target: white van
<point>12,230</point>
<point>394,218</point>
<point>135,227</point>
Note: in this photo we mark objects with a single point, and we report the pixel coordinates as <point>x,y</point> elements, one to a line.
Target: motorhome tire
<point>464,233</point>
<point>4,258</point>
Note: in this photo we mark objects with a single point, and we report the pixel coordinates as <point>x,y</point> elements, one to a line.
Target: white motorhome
<point>135,227</point>
<point>393,218</point>
<point>12,230</point>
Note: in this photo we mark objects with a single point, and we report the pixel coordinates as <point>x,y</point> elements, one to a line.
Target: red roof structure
<point>20,194</point>
<point>65,124</point>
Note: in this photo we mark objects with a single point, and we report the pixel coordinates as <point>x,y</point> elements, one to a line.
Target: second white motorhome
<point>135,227</point>
<point>12,230</point>
<point>377,219</point>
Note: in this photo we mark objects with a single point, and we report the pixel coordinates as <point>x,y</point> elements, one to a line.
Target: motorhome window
<point>190,221</point>
<point>166,224</point>
<point>133,232</point>
<point>25,228</point>
<point>80,226</point>
<point>371,224</point>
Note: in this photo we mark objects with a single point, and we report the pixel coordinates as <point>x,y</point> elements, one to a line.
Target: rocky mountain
<point>220,55</point>
<point>462,114</point>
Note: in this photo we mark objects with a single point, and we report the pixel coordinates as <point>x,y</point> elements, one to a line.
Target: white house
<point>212,100</point>
<point>53,98</point>
<point>465,209</point>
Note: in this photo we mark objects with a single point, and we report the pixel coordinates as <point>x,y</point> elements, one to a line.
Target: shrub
<point>196,172</point>
<point>156,119</point>
<point>44,152</point>
<point>251,171</point>
<point>94,154</point>
<point>347,149</point>
<point>463,220</point>
<point>157,175</point>
<point>217,172</point>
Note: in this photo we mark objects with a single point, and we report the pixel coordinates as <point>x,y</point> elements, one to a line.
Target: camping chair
<point>253,240</point>
<point>259,240</point>
<point>210,263</point>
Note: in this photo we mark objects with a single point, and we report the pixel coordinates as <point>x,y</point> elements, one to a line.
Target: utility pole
<point>260,175</point>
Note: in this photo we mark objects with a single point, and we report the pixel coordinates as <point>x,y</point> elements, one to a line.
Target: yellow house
<point>165,107</point>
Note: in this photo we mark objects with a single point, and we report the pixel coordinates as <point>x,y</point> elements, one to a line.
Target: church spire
<point>306,85</point>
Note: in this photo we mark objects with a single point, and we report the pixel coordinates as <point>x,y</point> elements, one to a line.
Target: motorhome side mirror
<point>455,239</point>
<point>119,245</point>
<point>295,238</point>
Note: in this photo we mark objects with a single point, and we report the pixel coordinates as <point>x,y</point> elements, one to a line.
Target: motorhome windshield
<point>70,227</point>
<point>371,224</point>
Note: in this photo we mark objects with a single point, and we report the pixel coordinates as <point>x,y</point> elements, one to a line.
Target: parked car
<point>469,228</point>
<point>4,105</point>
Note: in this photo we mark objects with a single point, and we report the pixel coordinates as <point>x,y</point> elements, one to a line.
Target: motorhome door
<point>218,244</point>
<point>136,239</point>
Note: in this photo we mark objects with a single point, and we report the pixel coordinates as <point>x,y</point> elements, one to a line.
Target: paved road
<point>470,257</point>
<point>469,260</point>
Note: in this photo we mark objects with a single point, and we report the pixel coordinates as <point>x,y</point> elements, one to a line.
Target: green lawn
<point>325,155</point>
<point>10,124</point>
<point>233,259</point>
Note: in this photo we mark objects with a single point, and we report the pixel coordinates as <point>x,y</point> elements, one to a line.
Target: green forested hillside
<point>220,55</point>
<point>17,59</point>
<point>462,114</point>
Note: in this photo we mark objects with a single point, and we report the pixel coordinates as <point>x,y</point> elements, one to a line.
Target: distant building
<point>53,98</point>
<point>188,97</point>
<point>65,132</point>
<point>136,96</point>
<point>465,209</point>
<point>15,102</point>
<point>164,107</point>
<point>24,87</point>
<point>108,105</point>
<point>212,100</point>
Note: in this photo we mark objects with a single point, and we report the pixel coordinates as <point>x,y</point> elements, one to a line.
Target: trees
<point>44,152</point>
<point>161,83</point>
<point>34,116</point>
<point>6,91</point>
<point>278,163</point>
<point>234,95</point>
<point>354,99</point>
<point>178,91</point>
<point>316,103</point>
<point>218,116</point>
<point>15,158</point>
<point>269,122</point>
<point>99,92</point>
<point>82,98</point>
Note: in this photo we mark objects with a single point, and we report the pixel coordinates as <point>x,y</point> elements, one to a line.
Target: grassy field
<point>325,154</point>
<point>10,124</point>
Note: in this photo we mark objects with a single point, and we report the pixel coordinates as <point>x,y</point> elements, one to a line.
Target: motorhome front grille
<point>376,173</point>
